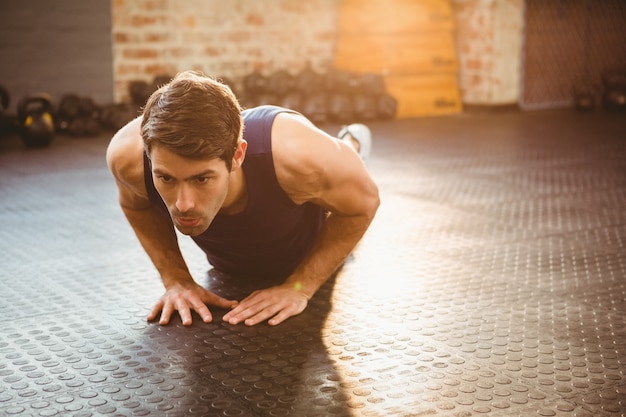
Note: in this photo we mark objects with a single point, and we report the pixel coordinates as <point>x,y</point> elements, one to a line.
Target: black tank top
<point>270,238</point>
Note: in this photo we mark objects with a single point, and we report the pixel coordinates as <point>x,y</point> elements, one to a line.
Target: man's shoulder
<point>294,136</point>
<point>261,119</point>
<point>300,153</point>
<point>125,155</point>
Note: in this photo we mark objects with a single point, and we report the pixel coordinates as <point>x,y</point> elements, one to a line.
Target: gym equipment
<point>309,81</point>
<point>315,108</point>
<point>340,108</point>
<point>78,116</point>
<point>5,99</point>
<point>365,107</point>
<point>159,81</point>
<point>340,81</point>
<point>255,83</point>
<point>372,84</point>
<point>615,99</point>
<point>585,99</point>
<point>69,106</point>
<point>88,107</point>
<point>387,107</point>
<point>292,100</point>
<point>68,110</point>
<point>614,96</point>
<point>35,118</point>
<point>139,91</point>
<point>280,82</point>
<point>231,84</point>
<point>115,116</point>
<point>84,126</point>
<point>337,95</point>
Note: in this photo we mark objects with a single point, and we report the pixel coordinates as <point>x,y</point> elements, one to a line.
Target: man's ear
<point>240,154</point>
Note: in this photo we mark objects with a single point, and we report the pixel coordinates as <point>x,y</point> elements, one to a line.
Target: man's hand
<point>276,304</point>
<point>184,298</point>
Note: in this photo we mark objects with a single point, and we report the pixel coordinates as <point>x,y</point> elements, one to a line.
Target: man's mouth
<point>187,221</point>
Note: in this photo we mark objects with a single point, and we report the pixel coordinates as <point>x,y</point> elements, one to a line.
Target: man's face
<point>193,190</point>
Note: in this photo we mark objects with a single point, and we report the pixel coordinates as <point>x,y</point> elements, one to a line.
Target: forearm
<point>338,238</point>
<point>158,238</point>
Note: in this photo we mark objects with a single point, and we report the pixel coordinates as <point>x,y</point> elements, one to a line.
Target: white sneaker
<point>362,135</point>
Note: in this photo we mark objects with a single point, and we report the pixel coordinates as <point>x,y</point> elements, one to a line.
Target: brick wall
<point>223,38</point>
<point>67,45</point>
<point>489,42</point>
<point>231,38</point>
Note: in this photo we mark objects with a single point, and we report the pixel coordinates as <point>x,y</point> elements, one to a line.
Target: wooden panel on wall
<point>395,16</point>
<point>405,53</point>
<point>411,43</point>
<point>425,95</point>
<point>362,53</point>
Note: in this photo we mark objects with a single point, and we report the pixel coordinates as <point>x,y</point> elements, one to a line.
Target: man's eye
<point>165,178</point>
<point>202,180</point>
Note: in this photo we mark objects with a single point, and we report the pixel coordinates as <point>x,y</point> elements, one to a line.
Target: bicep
<point>129,199</point>
<point>346,186</point>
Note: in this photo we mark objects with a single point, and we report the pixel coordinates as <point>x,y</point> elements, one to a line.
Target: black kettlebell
<point>35,117</point>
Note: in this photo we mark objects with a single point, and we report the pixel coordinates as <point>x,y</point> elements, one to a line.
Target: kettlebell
<point>585,97</point>
<point>36,122</point>
<point>4,100</point>
<point>614,97</point>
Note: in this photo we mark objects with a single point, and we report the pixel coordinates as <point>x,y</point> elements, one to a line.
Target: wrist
<point>299,287</point>
<point>177,280</point>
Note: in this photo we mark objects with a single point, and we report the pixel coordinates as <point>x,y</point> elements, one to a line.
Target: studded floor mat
<point>492,282</point>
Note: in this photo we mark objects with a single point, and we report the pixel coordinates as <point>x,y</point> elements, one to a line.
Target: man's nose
<point>184,199</point>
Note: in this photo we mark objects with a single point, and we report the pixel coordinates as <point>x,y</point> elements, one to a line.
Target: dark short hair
<point>193,116</point>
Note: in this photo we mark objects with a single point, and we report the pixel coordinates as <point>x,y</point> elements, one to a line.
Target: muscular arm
<point>158,239</point>
<point>338,181</point>
<point>156,235</point>
<point>313,167</point>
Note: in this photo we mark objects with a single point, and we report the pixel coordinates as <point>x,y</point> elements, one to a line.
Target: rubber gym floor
<point>492,282</point>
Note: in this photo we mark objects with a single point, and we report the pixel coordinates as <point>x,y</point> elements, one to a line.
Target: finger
<point>289,310</point>
<point>245,309</point>
<point>236,317</point>
<point>166,313</point>
<point>155,310</point>
<point>203,311</point>
<point>185,313</point>
<point>261,316</point>
<point>261,311</point>
<point>280,317</point>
